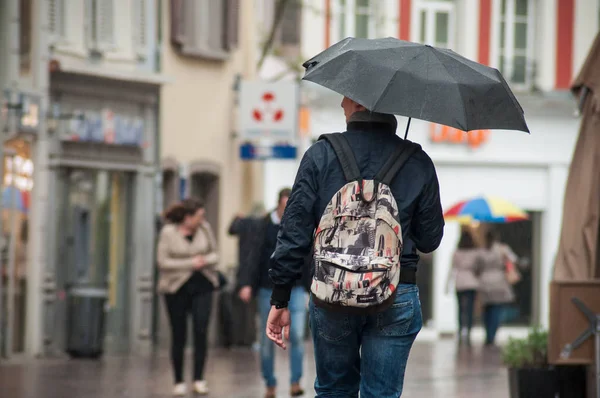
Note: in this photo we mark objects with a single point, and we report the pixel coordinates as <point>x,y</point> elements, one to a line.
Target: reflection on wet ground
<point>436,369</point>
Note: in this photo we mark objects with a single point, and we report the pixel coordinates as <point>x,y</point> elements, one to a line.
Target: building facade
<point>87,213</point>
<point>538,46</point>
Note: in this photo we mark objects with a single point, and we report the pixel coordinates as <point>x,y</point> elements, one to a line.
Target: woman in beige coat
<point>187,259</point>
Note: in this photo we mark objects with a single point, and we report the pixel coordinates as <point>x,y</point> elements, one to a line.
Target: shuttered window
<point>101,25</point>
<point>290,23</point>
<point>56,19</point>
<point>140,27</point>
<point>205,28</point>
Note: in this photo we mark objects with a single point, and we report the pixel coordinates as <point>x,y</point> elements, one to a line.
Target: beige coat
<point>465,266</point>
<point>175,255</point>
<point>494,287</point>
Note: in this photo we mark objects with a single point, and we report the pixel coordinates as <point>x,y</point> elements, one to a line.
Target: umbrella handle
<point>407,127</point>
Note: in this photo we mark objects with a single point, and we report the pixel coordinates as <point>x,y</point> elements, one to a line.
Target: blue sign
<point>254,152</point>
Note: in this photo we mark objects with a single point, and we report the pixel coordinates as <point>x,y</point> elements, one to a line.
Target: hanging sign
<point>268,111</point>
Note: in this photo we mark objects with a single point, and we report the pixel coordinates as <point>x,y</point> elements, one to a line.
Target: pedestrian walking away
<point>187,260</point>
<point>254,281</point>
<point>373,200</point>
<point>466,264</point>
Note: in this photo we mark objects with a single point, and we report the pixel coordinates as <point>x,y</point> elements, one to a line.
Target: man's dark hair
<point>284,193</point>
<point>466,241</point>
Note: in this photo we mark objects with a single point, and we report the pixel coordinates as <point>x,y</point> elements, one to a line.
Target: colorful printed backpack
<point>359,239</point>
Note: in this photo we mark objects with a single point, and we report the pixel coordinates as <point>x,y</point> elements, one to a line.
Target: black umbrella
<point>415,80</point>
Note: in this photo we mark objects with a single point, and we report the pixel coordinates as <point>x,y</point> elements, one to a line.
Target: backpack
<point>358,242</point>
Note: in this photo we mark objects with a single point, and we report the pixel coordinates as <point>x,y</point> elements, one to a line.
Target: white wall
<point>587,19</point>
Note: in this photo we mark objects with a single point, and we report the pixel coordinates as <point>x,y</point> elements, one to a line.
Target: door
<point>205,186</point>
<point>94,235</point>
<point>520,236</point>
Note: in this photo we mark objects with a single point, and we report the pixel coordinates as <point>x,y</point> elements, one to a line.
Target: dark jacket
<point>320,176</point>
<point>252,270</point>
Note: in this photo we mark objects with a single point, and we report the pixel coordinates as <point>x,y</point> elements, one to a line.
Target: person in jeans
<point>254,280</point>
<point>466,263</point>
<point>495,290</point>
<point>357,353</point>
<point>187,258</point>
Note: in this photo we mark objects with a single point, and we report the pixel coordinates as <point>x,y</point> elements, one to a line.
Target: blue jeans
<point>492,316</point>
<point>366,353</point>
<point>297,306</point>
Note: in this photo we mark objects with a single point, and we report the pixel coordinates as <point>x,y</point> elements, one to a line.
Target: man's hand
<point>278,324</point>
<point>245,294</point>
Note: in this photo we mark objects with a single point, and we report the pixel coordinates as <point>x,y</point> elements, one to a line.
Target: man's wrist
<point>281,295</point>
<point>279,304</point>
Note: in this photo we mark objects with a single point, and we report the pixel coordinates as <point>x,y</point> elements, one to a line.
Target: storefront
<point>18,183</point>
<point>528,170</point>
<point>103,182</point>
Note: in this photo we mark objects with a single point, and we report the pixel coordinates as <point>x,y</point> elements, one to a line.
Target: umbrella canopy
<point>485,209</point>
<point>409,79</point>
<point>578,256</point>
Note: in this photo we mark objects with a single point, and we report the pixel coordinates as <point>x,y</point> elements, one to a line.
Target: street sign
<point>262,152</point>
<point>268,111</point>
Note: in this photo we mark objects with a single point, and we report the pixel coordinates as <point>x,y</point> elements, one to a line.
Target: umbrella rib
<point>459,87</point>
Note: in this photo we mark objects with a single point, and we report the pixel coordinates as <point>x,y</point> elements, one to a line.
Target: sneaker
<point>296,390</point>
<point>200,387</point>
<point>271,392</point>
<point>180,390</point>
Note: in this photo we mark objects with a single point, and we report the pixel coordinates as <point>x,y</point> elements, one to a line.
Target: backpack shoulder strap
<point>404,150</point>
<point>344,153</point>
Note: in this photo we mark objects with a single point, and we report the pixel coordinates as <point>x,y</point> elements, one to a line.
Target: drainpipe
<point>41,280</point>
<point>12,53</point>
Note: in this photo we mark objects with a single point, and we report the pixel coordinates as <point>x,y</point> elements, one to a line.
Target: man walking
<point>370,200</point>
<point>254,280</point>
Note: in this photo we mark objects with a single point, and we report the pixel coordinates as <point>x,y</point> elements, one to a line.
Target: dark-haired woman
<point>465,263</point>
<point>187,260</point>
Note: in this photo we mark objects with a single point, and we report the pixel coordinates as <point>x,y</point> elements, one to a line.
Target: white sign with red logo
<point>269,111</point>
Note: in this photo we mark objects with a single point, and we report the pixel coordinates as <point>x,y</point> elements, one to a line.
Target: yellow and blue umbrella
<point>485,209</point>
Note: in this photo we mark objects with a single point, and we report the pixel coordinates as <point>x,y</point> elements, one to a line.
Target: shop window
<point>205,28</point>
<point>515,37</point>
<point>436,23</point>
<point>354,18</point>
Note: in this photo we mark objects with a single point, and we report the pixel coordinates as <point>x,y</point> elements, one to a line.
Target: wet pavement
<point>436,369</point>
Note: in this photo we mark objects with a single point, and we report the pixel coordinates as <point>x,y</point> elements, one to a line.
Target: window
<point>291,24</point>
<point>515,29</point>
<point>25,37</point>
<point>101,28</point>
<point>355,18</point>
<point>436,23</point>
<point>205,28</point>
<point>56,20</point>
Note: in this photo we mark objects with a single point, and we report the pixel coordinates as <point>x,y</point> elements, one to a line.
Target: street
<point>436,369</point>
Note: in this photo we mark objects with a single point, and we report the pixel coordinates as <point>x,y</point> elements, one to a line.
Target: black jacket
<point>320,176</point>
<point>252,233</point>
